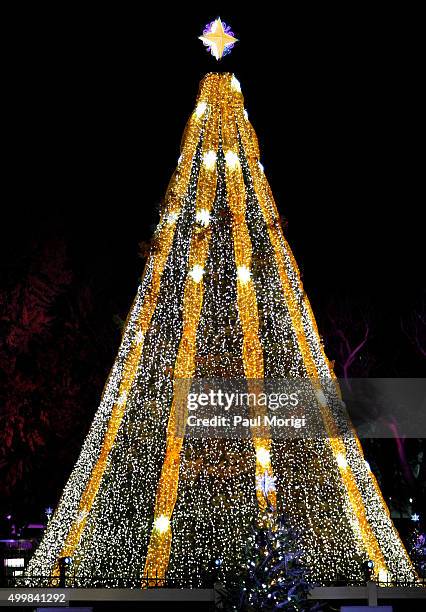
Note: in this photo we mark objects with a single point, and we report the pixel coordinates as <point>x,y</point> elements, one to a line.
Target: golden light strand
<point>246,295</point>
<point>159,546</point>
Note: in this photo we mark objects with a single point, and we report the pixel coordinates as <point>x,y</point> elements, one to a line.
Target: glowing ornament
<point>209,160</point>
<point>383,576</point>
<point>203,217</point>
<point>219,38</point>
<point>162,523</point>
<point>263,456</point>
<point>235,84</point>
<point>197,273</point>
<point>82,515</point>
<point>367,465</point>
<point>200,109</point>
<point>415,518</point>
<point>122,399</point>
<point>243,274</point>
<point>262,169</point>
<point>321,397</point>
<point>172,218</point>
<point>341,461</point>
<point>232,160</point>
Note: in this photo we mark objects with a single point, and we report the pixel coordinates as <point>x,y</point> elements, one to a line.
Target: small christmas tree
<point>417,550</point>
<point>274,577</point>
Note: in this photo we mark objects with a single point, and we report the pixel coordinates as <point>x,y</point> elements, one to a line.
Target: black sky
<point>96,109</point>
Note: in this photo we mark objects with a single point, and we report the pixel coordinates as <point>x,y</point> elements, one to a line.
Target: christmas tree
<point>274,576</point>
<point>417,548</point>
<point>220,296</point>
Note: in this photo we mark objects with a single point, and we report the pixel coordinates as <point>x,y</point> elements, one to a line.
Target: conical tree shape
<point>220,296</point>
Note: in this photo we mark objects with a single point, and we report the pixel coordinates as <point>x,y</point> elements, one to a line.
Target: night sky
<point>99,107</point>
<point>96,109</point>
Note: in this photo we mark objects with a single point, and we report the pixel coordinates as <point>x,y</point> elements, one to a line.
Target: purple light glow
<point>227,29</point>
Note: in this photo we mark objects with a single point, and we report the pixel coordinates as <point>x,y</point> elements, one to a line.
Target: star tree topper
<point>218,38</point>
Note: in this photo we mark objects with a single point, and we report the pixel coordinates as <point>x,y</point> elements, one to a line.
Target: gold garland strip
<point>158,554</point>
<point>158,258</point>
<point>368,537</point>
<point>246,294</point>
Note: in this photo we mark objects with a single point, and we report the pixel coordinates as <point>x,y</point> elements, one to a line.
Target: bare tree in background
<point>413,327</point>
<point>53,342</point>
<point>347,331</point>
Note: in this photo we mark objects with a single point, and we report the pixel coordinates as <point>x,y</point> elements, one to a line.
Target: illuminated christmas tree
<point>221,296</point>
<point>273,577</point>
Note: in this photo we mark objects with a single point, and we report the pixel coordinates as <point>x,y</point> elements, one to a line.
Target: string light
<point>221,295</point>
<point>162,523</point>
<point>263,456</point>
<point>235,84</point>
<point>139,337</point>
<point>197,273</point>
<point>172,218</point>
<point>200,109</point>
<point>122,399</point>
<point>203,217</point>
<point>209,160</point>
<point>341,461</point>
<point>232,160</point>
<point>320,397</point>
<point>243,274</point>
